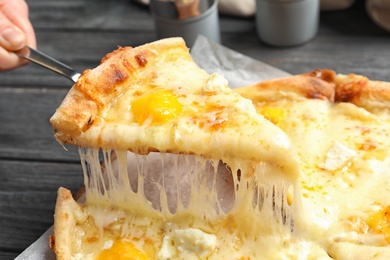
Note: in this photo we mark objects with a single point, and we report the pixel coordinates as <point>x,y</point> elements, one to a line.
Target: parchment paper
<point>238,69</point>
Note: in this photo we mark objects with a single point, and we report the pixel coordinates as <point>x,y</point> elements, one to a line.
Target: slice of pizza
<point>339,125</point>
<point>233,174</point>
<point>155,98</point>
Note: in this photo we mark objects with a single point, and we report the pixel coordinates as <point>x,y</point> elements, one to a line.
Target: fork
<point>48,62</point>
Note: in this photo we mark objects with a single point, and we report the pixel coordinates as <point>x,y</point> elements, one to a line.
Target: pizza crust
<point>298,86</point>
<point>359,90</point>
<point>324,84</point>
<point>67,213</point>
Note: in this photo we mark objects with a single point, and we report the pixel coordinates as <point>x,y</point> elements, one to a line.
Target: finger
<point>9,60</point>
<point>14,21</point>
<point>19,19</point>
<point>11,37</point>
<point>30,33</point>
<point>10,42</point>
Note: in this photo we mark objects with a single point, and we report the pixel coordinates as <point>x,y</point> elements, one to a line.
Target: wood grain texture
<point>79,33</point>
<point>25,130</point>
<point>27,198</point>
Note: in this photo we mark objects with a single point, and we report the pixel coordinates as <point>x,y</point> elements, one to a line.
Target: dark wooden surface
<point>79,32</point>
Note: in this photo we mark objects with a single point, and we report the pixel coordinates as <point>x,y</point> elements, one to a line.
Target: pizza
<point>179,166</point>
<point>227,183</point>
<point>339,125</point>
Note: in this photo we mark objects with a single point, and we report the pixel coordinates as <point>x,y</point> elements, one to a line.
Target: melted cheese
<point>182,198</point>
<point>345,158</point>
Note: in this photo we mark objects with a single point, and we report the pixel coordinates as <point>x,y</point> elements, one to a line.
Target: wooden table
<point>79,32</point>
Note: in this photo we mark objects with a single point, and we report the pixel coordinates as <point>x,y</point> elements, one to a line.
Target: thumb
<point>11,37</point>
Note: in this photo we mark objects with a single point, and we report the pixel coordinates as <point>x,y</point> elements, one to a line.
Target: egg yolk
<point>121,250</point>
<point>273,114</point>
<point>380,222</point>
<point>159,106</point>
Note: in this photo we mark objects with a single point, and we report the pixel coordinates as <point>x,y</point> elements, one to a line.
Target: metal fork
<point>48,62</point>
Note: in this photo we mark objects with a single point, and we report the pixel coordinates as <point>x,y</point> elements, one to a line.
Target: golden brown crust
<point>97,87</point>
<point>71,122</point>
<point>363,92</point>
<point>307,85</point>
<point>326,85</point>
<point>64,223</point>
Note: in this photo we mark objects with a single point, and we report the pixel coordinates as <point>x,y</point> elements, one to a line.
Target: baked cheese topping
<point>345,157</point>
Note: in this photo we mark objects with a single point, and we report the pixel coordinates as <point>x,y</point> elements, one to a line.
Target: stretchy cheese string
<point>249,199</point>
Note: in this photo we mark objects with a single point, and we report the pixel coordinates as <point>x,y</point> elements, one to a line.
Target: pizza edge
<point>65,221</point>
<point>325,85</point>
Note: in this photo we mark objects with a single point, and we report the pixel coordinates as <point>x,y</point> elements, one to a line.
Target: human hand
<point>16,31</point>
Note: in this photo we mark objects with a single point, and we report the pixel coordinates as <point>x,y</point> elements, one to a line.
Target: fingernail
<point>12,36</point>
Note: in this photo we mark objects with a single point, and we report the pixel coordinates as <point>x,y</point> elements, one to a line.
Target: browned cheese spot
<point>141,60</point>
<point>118,74</point>
<point>51,242</point>
<point>316,90</point>
<point>349,91</point>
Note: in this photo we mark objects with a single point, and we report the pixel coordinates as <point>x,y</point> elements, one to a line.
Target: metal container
<point>187,19</point>
<point>287,22</point>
